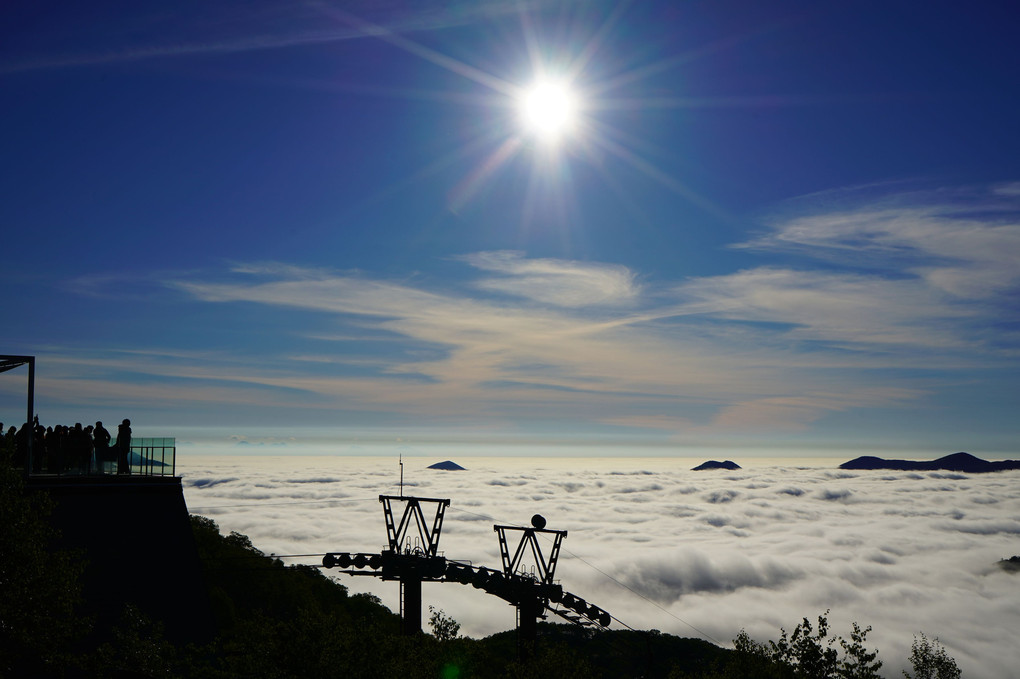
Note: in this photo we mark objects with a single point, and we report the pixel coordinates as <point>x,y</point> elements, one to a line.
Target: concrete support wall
<point>136,537</point>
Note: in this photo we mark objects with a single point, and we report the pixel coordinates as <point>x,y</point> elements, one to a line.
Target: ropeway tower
<point>412,556</point>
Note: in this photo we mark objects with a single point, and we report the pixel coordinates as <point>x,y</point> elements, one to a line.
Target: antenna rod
<point>401,475</point>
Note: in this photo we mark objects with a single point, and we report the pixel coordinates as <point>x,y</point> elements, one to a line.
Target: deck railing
<point>153,456</point>
<point>146,456</point>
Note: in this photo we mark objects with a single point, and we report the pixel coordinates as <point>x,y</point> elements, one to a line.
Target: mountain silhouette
<point>446,466</point>
<point>957,462</point>
<point>715,464</point>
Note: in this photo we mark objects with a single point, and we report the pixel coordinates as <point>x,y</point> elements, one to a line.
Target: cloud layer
<point>662,547</point>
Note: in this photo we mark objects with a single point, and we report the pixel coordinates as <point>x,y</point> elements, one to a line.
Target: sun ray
<point>649,70</point>
<point>447,160</point>
<point>763,101</point>
<point>530,37</point>
<point>575,69</point>
<point>624,196</point>
<point>652,172</point>
<point>634,143</point>
<point>492,100</point>
<point>462,193</point>
<point>564,200</point>
<point>530,197</point>
<point>428,54</point>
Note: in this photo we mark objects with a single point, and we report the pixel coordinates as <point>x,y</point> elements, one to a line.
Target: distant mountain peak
<point>715,464</point>
<point>446,466</point>
<point>957,462</point>
<point>961,458</point>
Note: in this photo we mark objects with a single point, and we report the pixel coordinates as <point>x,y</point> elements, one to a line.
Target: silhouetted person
<point>79,449</point>
<point>11,445</point>
<point>101,443</point>
<point>38,434</point>
<point>6,445</point>
<point>123,447</point>
<point>21,446</point>
<point>50,450</point>
<point>87,469</point>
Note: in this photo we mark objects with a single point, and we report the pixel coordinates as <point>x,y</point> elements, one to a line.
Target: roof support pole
<point>8,362</point>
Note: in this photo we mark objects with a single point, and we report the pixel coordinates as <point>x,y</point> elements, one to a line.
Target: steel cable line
<point>281,504</point>
<point>642,596</point>
<point>266,556</point>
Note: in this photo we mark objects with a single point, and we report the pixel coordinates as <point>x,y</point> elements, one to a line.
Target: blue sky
<point>786,225</point>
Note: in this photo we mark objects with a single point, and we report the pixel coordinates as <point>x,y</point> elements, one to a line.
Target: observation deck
<point>133,533</point>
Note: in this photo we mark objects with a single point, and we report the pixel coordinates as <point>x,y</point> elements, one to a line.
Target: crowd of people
<point>61,449</point>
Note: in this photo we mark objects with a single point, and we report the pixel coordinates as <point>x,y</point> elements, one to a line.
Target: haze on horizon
<point>727,225</point>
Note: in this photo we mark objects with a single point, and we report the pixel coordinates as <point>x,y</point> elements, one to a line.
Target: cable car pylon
<point>408,563</point>
<point>530,602</point>
<point>530,592</point>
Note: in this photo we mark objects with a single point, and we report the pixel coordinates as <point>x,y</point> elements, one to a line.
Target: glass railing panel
<point>153,456</point>
<point>146,456</point>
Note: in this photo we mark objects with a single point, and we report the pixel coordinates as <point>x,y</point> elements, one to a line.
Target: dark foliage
<point>244,583</point>
<point>806,653</point>
<point>40,586</point>
<point>929,660</point>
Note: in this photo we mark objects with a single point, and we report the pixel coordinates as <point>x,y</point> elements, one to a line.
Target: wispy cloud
<point>919,301</point>
<point>500,354</point>
<point>965,245</point>
<point>845,309</point>
<point>796,412</point>
<point>556,281</point>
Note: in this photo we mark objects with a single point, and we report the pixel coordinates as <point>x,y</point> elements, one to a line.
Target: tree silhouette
<point>40,585</point>
<point>930,660</point>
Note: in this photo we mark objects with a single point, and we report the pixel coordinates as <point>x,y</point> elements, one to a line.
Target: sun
<point>549,109</point>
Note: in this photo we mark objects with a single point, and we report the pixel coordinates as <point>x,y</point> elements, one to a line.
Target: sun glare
<point>549,109</point>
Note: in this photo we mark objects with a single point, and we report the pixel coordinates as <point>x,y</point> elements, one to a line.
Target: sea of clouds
<point>659,546</point>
